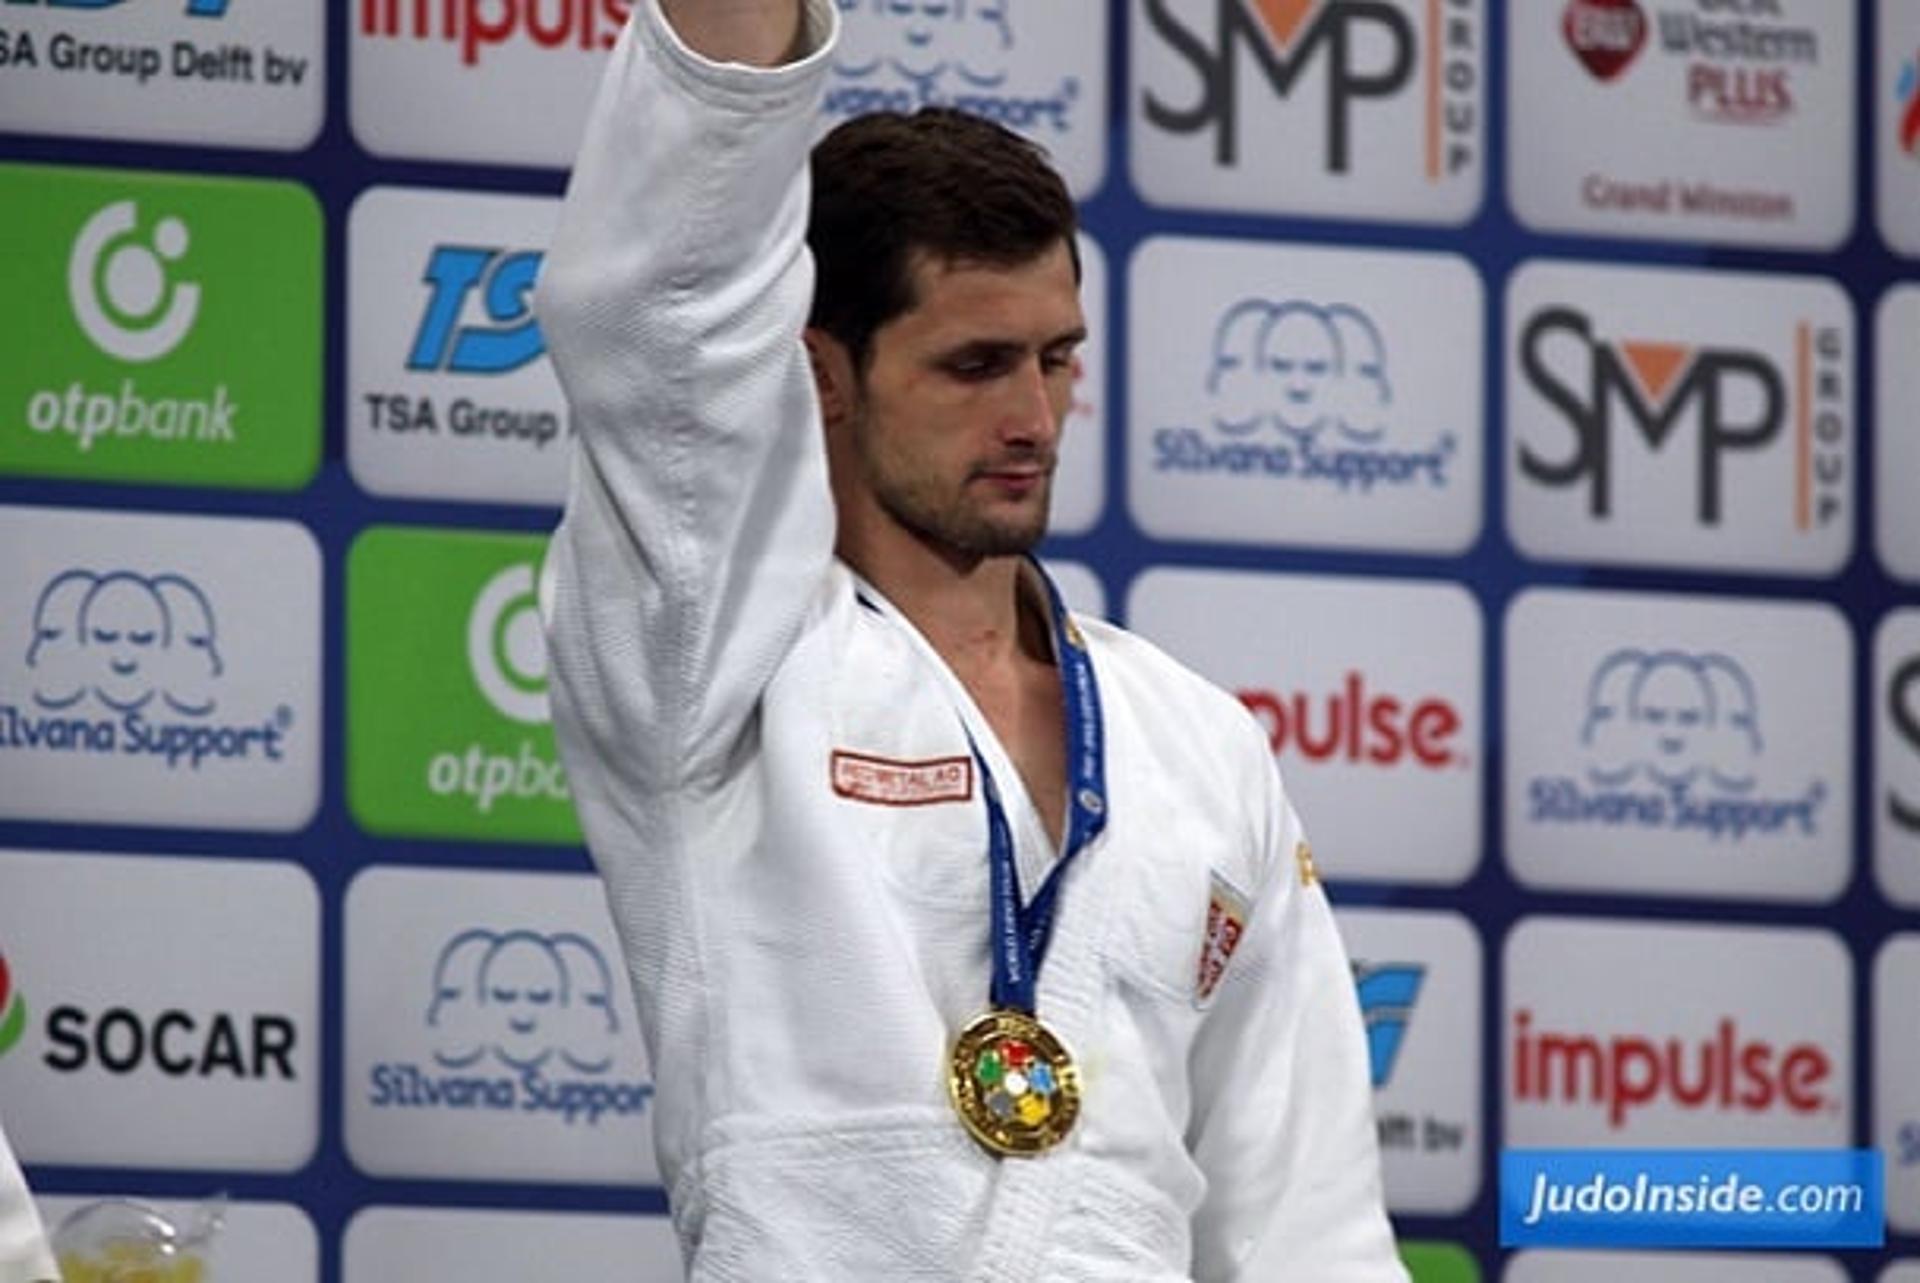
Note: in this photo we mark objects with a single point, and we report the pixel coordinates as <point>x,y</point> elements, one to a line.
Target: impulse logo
<point>13,1009</point>
<point>1725,1072</point>
<point>474,25</point>
<point>901,55</point>
<point>130,664</point>
<point>1369,51</point>
<point>1301,391</point>
<point>1360,726</point>
<point>1387,993</point>
<point>1906,92</point>
<point>517,1021</point>
<point>1741,401</point>
<point>508,338</point>
<point>1673,741</point>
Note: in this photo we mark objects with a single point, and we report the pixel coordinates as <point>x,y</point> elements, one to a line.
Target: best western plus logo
<point>1720,435</point>
<point>1737,56</point>
<point>448,727</point>
<point>1363,107</point>
<point>180,330</point>
<point>1035,66</point>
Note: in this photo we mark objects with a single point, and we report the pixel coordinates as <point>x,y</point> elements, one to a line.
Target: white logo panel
<point>1036,66</point>
<point>159,670</point>
<point>1354,713</point>
<point>419,1245</point>
<point>1643,1035</point>
<point>1323,108</point>
<point>1080,479</point>
<point>1896,420</point>
<point>479,66</point>
<point>1901,1272</point>
<point>1676,746</point>
<point>1896,1088</point>
<point>1300,395</point>
<point>450,394</point>
<point>1080,587</point>
<point>1671,1267</point>
<point>228,73</point>
<point>1702,420</point>
<point>1895,800</point>
<point>161,1012</point>
<point>1896,122</point>
<point>490,1031</point>
<point>1684,119</point>
<point>1418,975</point>
<point>254,1241</point>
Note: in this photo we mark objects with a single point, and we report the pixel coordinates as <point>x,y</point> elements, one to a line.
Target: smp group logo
<point>447,725</point>
<point>178,334</point>
<point>1339,108</point>
<point>202,1056</point>
<point>1348,709</point>
<point>1897,122</point>
<point>1896,437</point>
<point>479,62</point>
<point>1896,1091</point>
<point>1896,735</point>
<point>449,392</point>
<point>163,670</point>
<point>1036,66</point>
<point>1417,975</point>
<point>1642,1034</point>
<point>176,71</point>
<point>1666,745</point>
<point>1305,395</point>
<point>1718,120</point>
<point>490,1030</point>
<point>1716,433</point>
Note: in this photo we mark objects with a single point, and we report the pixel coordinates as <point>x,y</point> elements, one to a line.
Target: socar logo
<point>1387,994</point>
<point>119,284</point>
<point>523,999</point>
<point>506,646</point>
<point>13,1009</point>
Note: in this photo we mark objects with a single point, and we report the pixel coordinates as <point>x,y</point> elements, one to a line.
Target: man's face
<point>955,428</point>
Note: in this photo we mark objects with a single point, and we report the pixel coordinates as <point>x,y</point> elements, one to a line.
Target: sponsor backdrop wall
<point>1517,404</point>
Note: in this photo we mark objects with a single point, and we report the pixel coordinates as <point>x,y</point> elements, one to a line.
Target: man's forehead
<point>1037,298</point>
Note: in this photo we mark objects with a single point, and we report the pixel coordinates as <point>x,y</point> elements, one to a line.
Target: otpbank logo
<point>1680,418</point>
<point>490,1030</point>
<point>479,63</point>
<point>160,670</point>
<point>1036,66</point>
<point>447,724</point>
<point>1746,1039</point>
<point>223,72</point>
<point>1685,119</point>
<point>1360,108</point>
<point>1674,746</point>
<point>1305,395</point>
<point>450,394</point>
<point>202,1056</point>
<point>178,334</point>
<point>1896,733</point>
<point>1417,975</point>
<point>1347,707</point>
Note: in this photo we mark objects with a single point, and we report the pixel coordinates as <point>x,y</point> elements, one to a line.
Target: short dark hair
<point>946,183</point>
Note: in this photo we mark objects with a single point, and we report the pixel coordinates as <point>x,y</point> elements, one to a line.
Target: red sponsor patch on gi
<point>889,782</point>
<point>1226,923</point>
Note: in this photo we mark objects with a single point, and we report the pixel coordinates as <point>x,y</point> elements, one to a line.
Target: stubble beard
<point>952,521</point>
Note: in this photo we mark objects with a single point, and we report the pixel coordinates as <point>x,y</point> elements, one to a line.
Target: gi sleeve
<point>24,1255</point>
<point>698,523</point>
<point>1282,1123</point>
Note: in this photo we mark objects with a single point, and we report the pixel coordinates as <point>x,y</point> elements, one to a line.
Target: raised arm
<point>698,523</point>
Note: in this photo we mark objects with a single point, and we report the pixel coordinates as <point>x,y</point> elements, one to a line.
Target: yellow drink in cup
<point>119,1241</point>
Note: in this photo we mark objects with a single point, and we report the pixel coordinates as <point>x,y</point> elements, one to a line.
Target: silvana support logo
<point>1302,391</point>
<point>516,1021</point>
<point>13,1009</point>
<point>448,725</point>
<point>181,341</point>
<point>903,56</point>
<point>1387,993</point>
<point>1673,740</point>
<point>125,663</point>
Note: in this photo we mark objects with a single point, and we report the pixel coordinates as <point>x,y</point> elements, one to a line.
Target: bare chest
<point>1026,716</point>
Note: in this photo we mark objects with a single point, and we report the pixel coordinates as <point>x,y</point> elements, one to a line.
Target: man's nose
<point>1031,414</point>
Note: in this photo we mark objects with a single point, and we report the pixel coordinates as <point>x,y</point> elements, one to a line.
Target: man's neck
<point>976,612</point>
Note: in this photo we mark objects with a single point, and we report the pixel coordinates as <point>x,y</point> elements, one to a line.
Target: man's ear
<point>833,375</point>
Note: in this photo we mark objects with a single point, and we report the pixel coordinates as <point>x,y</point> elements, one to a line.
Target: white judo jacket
<point>768,773</point>
<point>24,1255</point>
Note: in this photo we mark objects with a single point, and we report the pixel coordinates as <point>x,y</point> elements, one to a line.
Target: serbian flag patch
<point>1226,923</point>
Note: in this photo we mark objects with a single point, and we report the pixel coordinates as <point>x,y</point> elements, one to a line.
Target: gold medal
<point>1013,1083</point>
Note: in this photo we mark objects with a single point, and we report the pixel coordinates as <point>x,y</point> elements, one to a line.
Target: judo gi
<point>774,775</point>
<point>24,1255</point>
